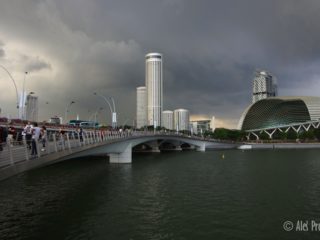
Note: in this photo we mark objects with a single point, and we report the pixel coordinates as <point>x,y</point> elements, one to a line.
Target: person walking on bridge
<point>27,131</point>
<point>43,138</point>
<point>35,138</point>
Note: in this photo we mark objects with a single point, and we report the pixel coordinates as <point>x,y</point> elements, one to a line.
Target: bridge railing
<point>13,151</point>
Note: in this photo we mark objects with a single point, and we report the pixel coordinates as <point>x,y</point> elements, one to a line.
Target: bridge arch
<point>120,151</point>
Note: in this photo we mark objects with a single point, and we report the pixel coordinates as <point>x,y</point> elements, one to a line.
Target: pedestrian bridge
<point>15,156</point>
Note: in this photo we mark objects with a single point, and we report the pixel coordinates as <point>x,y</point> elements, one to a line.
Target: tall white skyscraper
<point>264,86</point>
<point>167,119</point>
<point>154,85</point>
<point>32,108</point>
<point>141,107</point>
<point>181,119</point>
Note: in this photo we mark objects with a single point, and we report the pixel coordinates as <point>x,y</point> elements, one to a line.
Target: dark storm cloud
<point>210,49</point>
<point>35,64</point>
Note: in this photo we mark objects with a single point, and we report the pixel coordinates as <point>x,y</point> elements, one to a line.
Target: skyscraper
<point>32,108</point>
<point>154,85</point>
<point>141,107</point>
<point>181,119</point>
<point>167,119</point>
<point>264,86</point>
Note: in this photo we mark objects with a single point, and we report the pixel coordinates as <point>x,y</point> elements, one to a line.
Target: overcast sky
<point>211,48</point>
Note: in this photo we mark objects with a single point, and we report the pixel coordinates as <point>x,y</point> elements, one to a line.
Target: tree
<point>279,135</point>
<point>292,135</point>
<point>264,136</point>
<point>307,135</point>
<point>220,133</point>
<point>317,133</point>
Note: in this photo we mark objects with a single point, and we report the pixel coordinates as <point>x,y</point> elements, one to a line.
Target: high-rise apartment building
<point>32,108</point>
<point>181,119</point>
<point>167,119</point>
<point>154,86</point>
<point>264,86</point>
<point>141,107</point>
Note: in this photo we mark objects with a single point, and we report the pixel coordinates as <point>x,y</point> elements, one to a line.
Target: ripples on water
<point>186,195</point>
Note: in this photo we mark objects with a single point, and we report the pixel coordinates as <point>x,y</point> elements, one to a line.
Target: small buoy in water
<point>222,156</point>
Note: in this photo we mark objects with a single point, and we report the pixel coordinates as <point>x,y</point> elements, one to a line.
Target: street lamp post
<point>94,114</point>
<point>67,110</point>
<point>14,83</point>
<point>23,98</point>
<point>112,108</point>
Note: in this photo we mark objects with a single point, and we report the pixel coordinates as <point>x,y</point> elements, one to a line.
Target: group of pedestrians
<point>33,135</point>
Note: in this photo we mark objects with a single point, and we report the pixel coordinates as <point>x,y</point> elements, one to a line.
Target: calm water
<point>186,195</point>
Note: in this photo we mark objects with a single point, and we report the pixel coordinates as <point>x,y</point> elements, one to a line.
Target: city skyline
<point>72,49</point>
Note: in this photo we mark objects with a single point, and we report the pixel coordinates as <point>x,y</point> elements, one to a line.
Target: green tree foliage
<point>279,135</point>
<point>264,136</point>
<point>292,135</point>
<point>317,133</point>
<point>225,134</point>
<point>307,135</point>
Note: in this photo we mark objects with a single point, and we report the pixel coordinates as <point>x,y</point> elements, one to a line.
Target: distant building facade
<point>167,119</point>
<point>200,126</point>
<point>181,119</point>
<point>55,120</point>
<point>154,87</point>
<point>32,108</point>
<point>213,124</point>
<point>264,86</point>
<point>141,107</point>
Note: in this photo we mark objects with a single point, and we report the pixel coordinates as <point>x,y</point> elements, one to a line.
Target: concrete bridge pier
<point>154,146</point>
<point>201,147</point>
<point>178,148</point>
<point>122,157</point>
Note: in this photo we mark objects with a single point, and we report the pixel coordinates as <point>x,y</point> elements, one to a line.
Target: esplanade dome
<point>276,111</point>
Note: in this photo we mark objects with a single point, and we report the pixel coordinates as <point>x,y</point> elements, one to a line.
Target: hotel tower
<point>154,87</point>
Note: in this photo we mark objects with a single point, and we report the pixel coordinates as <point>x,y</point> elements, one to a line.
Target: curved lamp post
<point>112,108</point>
<point>23,97</point>
<point>14,83</point>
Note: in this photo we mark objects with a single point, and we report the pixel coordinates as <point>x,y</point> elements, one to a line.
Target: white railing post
<point>98,137</point>
<point>68,141</point>
<point>84,138</point>
<point>46,144</point>
<point>87,138</point>
<point>73,139</point>
<point>94,137</point>
<point>10,151</point>
<point>91,138</point>
<point>26,150</point>
<point>37,147</point>
<point>62,142</point>
<point>79,140</point>
<point>55,142</point>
